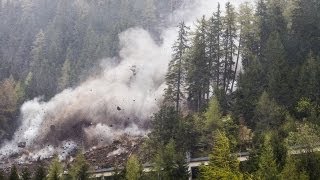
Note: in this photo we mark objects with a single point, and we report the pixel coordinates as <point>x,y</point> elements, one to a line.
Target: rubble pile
<point>115,154</point>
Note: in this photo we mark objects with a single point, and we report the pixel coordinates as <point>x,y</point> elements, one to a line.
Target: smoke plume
<point>119,101</point>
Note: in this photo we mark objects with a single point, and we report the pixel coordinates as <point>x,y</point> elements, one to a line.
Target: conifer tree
<point>14,173</point>
<point>278,69</point>
<point>267,167</point>
<point>176,74</point>
<point>25,175</point>
<point>55,170</point>
<point>40,173</point>
<point>229,47</point>
<point>133,168</point>
<point>214,34</point>
<point>198,76</point>
<point>80,167</point>
<point>222,165</point>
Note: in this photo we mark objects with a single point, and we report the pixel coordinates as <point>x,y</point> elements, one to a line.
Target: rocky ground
<point>98,157</point>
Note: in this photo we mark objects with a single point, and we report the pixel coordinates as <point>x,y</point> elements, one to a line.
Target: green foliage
<point>25,175</point>
<point>55,170</point>
<point>133,168</point>
<point>291,170</point>
<point>40,173</point>
<point>213,115</point>
<point>14,173</point>
<point>170,164</point>
<point>222,164</point>
<point>267,167</point>
<point>268,115</point>
<point>79,168</point>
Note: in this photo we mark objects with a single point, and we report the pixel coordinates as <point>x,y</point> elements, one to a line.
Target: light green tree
<point>133,168</point>
<point>55,170</point>
<point>80,167</point>
<point>222,164</point>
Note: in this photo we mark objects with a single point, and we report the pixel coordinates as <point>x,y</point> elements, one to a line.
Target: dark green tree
<point>25,175</point>
<point>55,170</point>
<point>80,167</point>
<point>176,75</point>
<point>40,173</point>
<point>198,71</point>
<point>14,173</point>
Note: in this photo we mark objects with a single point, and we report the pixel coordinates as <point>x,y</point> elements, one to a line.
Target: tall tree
<point>14,173</point>
<point>176,73</point>
<point>80,167</point>
<point>278,69</point>
<point>25,175</point>
<point>55,170</point>
<point>222,165</point>
<point>170,164</point>
<point>133,168</point>
<point>198,76</point>
<point>229,46</point>
<point>267,167</point>
<point>268,115</point>
<point>214,49</point>
<point>40,173</point>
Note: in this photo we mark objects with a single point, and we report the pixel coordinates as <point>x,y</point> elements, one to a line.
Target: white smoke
<point>119,101</point>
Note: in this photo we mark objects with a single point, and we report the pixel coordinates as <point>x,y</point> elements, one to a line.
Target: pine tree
<point>308,81</point>
<point>2,177</point>
<point>133,168</point>
<point>229,47</point>
<point>222,165</point>
<point>291,171</point>
<point>80,167</point>
<point>214,49</point>
<point>55,170</point>
<point>25,175</point>
<point>198,74</point>
<point>278,69</point>
<point>40,173</point>
<point>267,163</point>
<point>14,173</point>
<point>170,164</point>
<point>176,73</point>
<point>213,115</point>
<point>268,115</point>
<point>65,77</point>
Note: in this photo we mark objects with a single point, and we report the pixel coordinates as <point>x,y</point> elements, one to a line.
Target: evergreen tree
<point>25,175</point>
<point>40,173</point>
<point>213,115</point>
<point>80,167</point>
<point>170,164</point>
<point>267,167</point>
<point>55,170</point>
<point>308,81</point>
<point>291,171</point>
<point>279,85</point>
<point>222,165</point>
<point>268,115</point>
<point>14,173</point>
<point>133,168</point>
<point>214,49</point>
<point>2,177</point>
<point>176,74</point>
<point>198,76</point>
<point>251,85</point>
<point>229,47</point>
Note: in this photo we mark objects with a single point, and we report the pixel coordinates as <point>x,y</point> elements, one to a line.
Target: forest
<point>246,79</point>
